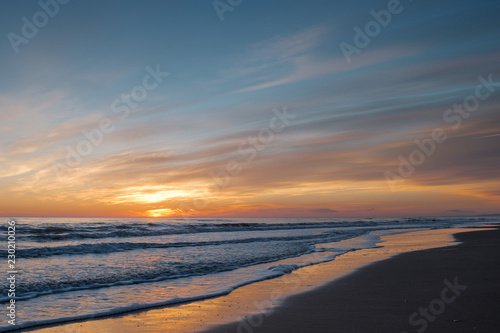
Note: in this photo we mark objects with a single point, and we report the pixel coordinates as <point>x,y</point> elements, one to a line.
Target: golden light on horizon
<point>163,212</point>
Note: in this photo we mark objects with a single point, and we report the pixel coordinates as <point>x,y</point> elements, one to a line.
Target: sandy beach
<point>371,290</point>
<point>448,289</point>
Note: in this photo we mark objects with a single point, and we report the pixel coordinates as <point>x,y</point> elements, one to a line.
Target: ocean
<point>76,268</point>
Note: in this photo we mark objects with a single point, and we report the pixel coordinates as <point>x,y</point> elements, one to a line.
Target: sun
<point>163,212</point>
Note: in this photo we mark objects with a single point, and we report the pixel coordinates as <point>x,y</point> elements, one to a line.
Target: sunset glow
<point>165,212</point>
<point>181,114</point>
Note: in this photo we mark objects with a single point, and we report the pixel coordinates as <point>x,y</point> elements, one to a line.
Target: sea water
<point>77,268</point>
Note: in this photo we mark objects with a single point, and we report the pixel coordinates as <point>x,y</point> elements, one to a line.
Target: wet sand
<point>448,289</point>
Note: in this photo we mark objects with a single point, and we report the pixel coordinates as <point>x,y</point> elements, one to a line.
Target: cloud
<point>308,66</point>
<point>323,210</point>
<point>459,211</point>
<point>57,135</point>
<point>276,61</point>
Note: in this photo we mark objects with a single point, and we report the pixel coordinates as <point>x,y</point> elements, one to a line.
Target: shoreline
<point>257,297</point>
<point>446,289</point>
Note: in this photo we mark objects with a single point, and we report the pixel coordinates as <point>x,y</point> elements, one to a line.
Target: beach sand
<point>459,285</point>
<point>369,293</point>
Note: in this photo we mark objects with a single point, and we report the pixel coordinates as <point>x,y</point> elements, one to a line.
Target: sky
<point>246,108</point>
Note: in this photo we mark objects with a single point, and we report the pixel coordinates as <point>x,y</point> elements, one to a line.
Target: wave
<point>106,248</point>
<point>67,231</point>
<point>168,270</point>
<point>272,272</point>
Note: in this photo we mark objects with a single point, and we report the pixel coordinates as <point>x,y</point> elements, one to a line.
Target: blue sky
<point>351,120</point>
